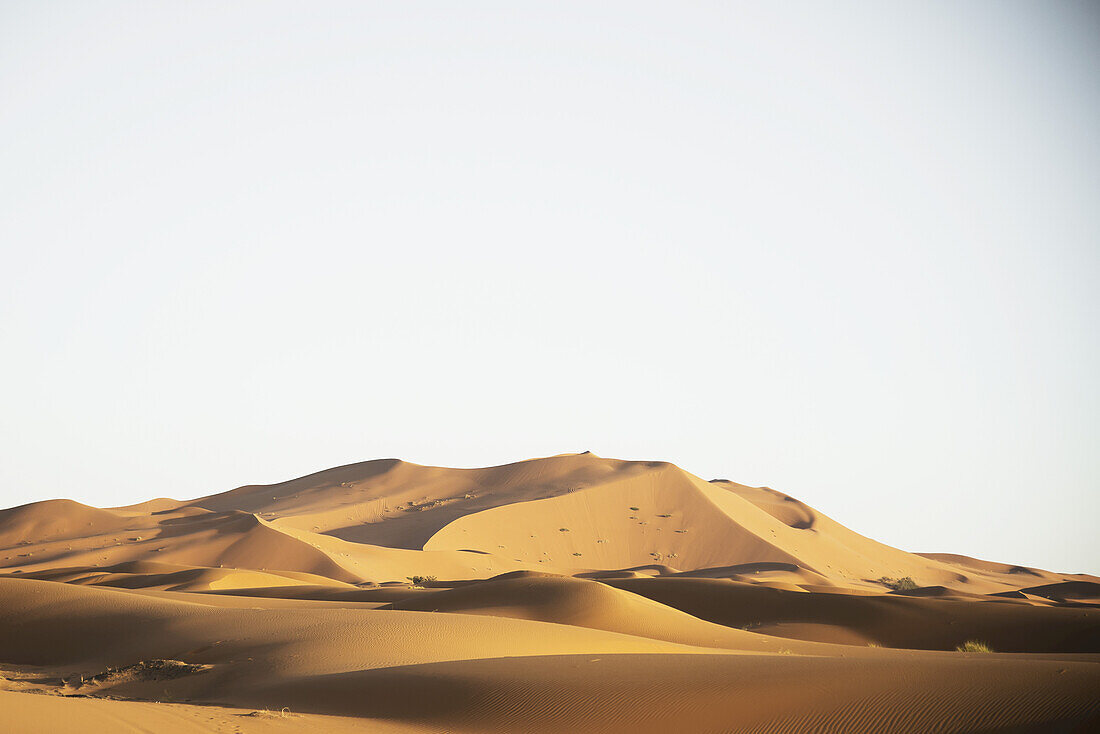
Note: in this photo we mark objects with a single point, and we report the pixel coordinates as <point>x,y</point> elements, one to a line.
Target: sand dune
<point>660,693</point>
<point>890,620</point>
<point>590,604</point>
<point>570,593</point>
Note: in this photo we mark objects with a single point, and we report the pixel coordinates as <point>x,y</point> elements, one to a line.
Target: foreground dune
<point>571,593</point>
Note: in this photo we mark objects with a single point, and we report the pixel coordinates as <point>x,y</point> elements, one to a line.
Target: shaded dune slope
<point>650,693</point>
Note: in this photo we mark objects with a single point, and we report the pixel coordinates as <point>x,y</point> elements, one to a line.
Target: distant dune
<point>569,593</point>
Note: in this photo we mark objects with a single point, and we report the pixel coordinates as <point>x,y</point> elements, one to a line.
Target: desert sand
<point>571,593</point>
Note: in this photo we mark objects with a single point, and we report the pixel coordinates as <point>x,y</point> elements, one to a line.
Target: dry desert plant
<point>974,646</point>
<point>905,583</point>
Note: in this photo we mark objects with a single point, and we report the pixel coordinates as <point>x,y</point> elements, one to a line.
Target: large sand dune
<point>570,593</point>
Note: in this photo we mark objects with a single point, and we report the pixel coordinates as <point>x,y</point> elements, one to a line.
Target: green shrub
<point>419,580</point>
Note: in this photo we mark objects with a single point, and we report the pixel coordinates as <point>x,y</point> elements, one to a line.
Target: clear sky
<point>849,251</point>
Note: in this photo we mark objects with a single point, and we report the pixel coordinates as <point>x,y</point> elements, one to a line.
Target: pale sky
<point>849,251</point>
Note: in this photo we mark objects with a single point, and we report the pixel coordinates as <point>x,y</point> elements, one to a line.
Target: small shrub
<point>144,670</point>
<point>634,509</point>
<point>905,583</point>
<point>420,580</point>
<point>974,646</point>
<point>283,713</point>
